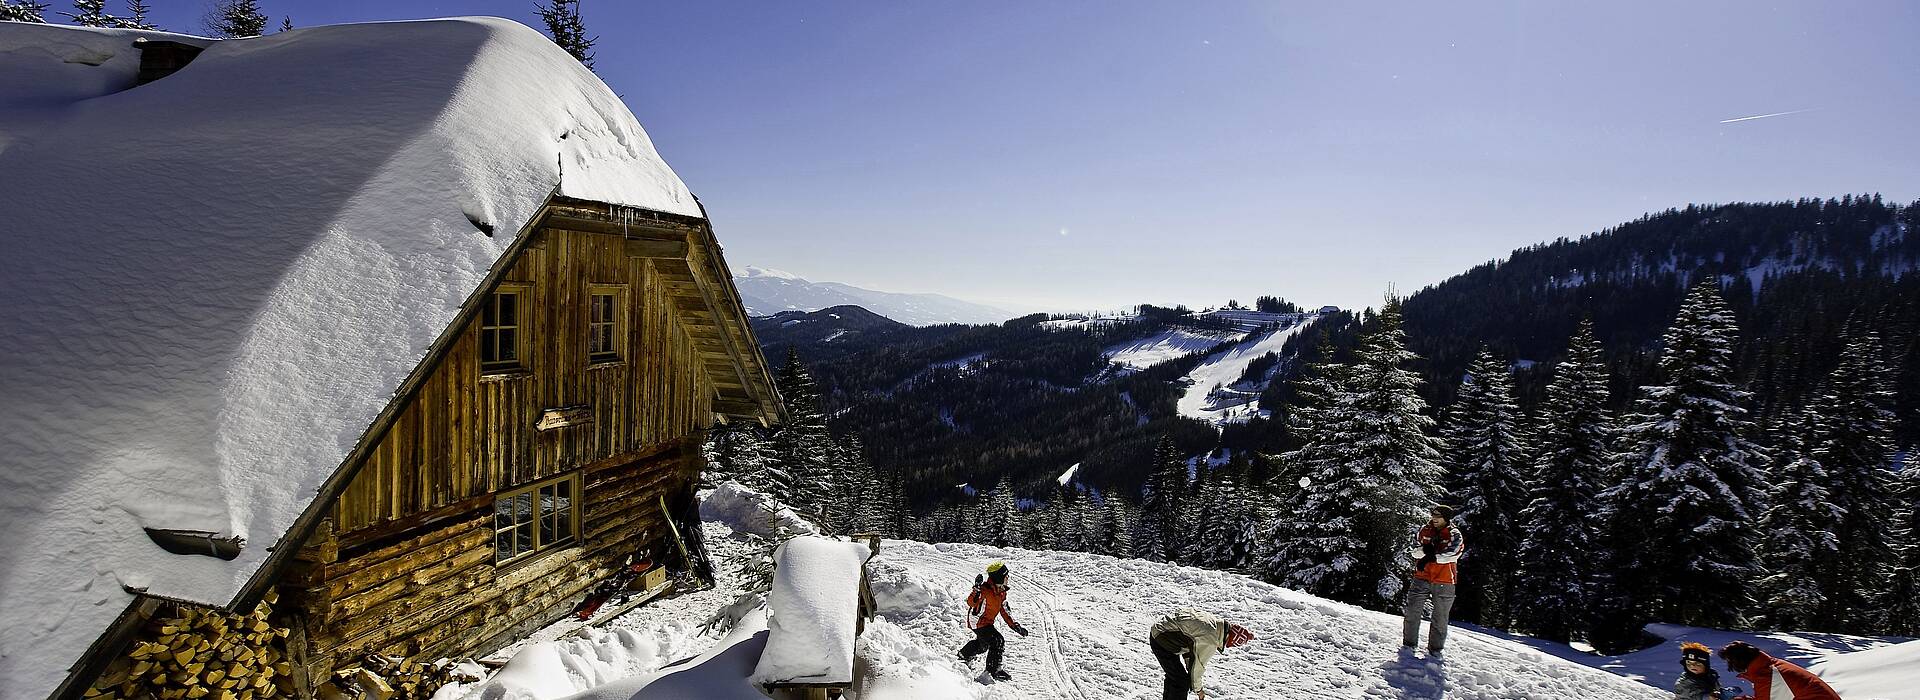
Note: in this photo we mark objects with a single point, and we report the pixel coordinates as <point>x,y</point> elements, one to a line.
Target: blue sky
<point>1083,155</point>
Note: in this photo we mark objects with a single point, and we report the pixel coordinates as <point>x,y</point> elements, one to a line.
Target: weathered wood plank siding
<point>406,565</point>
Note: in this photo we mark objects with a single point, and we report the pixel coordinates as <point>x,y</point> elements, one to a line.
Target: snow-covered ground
<point>1089,615</point>
<point>1221,370</point>
<point>1857,677</point>
<point>1890,672</point>
<point>1170,344</point>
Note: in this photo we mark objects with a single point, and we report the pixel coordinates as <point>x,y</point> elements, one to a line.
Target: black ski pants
<point>986,639</point>
<point>1175,664</point>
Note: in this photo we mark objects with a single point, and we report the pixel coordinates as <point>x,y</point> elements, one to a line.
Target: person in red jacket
<point>1774,679</point>
<point>1434,553</point>
<point>988,601</point>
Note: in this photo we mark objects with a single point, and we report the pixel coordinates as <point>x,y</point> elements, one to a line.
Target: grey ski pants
<point>1418,593</point>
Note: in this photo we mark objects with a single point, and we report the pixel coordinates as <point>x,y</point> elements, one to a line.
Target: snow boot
<point>1000,675</point>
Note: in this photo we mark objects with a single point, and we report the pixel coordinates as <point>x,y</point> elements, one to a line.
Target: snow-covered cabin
<point>387,338</point>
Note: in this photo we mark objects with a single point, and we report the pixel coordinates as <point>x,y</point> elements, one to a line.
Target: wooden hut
<point>412,416</point>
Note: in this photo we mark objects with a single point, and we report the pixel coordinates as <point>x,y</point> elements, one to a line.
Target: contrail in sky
<point>1762,116</point>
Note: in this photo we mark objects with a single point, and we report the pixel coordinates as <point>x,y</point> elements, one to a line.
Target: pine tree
<point>1157,535</point>
<point>23,11</point>
<point>1853,440</point>
<point>1800,545</point>
<point>1684,519</point>
<point>1555,564</point>
<point>1900,603</point>
<point>138,20</point>
<point>1369,471</point>
<point>1002,527</point>
<point>235,19</point>
<point>90,13</point>
<point>1486,456</point>
<point>803,449</point>
<point>1119,516</point>
<point>286,24</point>
<point>562,18</point>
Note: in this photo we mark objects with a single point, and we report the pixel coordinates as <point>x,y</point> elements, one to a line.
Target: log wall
<point>405,565</point>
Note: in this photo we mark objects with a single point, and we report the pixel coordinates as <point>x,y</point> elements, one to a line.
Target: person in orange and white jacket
<point>987,602</point>
<point>1774,679</point>
<point>1435,554</point>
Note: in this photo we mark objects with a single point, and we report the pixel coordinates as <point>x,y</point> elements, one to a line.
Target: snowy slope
<point>1172,343</point>
<point>1089,615</point>
<point>1886,673</point>
<point>767,292</point>
<point>1659,665</point>
<point>1229,404</point>
<point>218,279</point>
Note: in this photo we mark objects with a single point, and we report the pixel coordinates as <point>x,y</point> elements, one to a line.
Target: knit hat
<point>1442,511</point>
<point>1695,651</point>
<point>1237,635</point>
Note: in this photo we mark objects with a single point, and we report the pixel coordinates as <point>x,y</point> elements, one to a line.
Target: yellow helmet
<point>996,567</point>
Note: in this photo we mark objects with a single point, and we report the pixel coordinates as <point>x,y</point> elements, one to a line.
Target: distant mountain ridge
<point>767,292</point>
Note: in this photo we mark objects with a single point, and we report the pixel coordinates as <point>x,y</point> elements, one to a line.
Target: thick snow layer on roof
<point>815,600</point>
<point>217,280</point>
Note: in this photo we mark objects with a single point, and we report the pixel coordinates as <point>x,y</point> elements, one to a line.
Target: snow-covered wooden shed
<point>378,339</point>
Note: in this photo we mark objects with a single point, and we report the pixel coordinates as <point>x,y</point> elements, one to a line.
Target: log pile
<point>190,653</point>
<point>394,678</point>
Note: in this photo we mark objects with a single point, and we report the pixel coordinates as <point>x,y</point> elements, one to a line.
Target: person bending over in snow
<point>1438,546</point>
<point>988,601</point>
<point>1698,680</point>
<point>1197,636</point>
<point>1774,679</point>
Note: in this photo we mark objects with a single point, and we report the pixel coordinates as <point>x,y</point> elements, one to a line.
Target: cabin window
<point>500,332</point>
<point>605,332</point>
<point>535,518</point>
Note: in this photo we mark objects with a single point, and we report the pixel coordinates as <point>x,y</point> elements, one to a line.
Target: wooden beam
<point>648,248</point>
<point>636,229</point>
<point>737,407</point>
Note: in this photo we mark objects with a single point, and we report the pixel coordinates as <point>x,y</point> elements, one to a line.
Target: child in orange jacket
<point>987,602</point>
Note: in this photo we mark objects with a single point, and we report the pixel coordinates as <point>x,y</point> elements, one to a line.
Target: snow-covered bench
<point>818,607</point>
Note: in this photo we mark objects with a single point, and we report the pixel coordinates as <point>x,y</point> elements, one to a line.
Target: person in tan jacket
<point>1184,642</point>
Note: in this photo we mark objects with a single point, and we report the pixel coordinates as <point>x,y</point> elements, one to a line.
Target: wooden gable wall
<point>405,566</point>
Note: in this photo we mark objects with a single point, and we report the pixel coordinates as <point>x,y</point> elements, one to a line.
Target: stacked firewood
<point>395,678</point>
<point>189,653</point>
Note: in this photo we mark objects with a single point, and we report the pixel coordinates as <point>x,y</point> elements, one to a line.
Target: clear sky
<point>1081,155</point>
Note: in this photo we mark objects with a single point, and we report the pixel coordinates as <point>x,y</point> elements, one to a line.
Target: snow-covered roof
<point>216,281</point>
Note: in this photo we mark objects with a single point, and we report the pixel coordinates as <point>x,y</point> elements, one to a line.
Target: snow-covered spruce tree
<point>1119,516</point>
<point>1799,545</point>
<point>1555,564</point>
<point>1157,535</point>
<point>1486,455</point>
<point>235,19</point>
<point>138,18</point>
<point>1369,469</point>
<point>803,449</point>
<point>1224,521</point>
<point>90,13</point>
<point>562,18</point>
<point>1685,516</point>
<point>738,453</point>
<point>1002,526</point>
<point>1900,601</point>
<point>23,11</point>
<point>1852,428</point>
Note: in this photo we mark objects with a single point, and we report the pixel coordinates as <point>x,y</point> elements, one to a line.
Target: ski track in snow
<point>1089,615</point>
